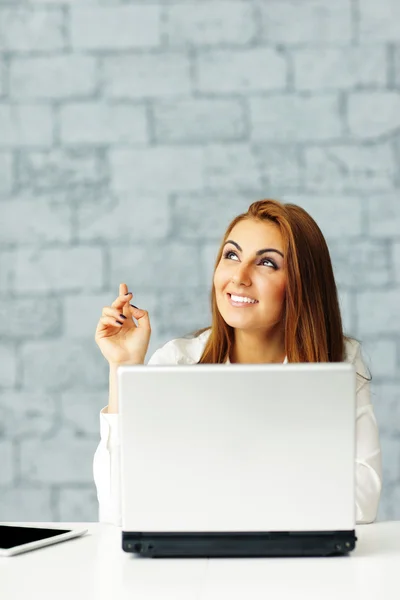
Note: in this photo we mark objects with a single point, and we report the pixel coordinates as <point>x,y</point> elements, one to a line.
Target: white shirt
<point>183,351</point>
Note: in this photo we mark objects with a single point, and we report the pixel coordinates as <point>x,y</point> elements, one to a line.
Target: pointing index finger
<point>121,301</point>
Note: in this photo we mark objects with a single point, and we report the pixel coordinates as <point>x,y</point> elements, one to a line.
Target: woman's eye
<point>271,264</point>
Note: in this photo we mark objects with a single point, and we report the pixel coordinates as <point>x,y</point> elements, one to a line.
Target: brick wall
<point>130,134</point>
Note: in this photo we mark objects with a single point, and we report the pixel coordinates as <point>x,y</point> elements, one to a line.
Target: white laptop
<point>238,460</point>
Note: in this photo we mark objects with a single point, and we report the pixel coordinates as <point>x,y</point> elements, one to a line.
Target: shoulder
<point>352,348</point>
<point>354,355</point>
<point>181,351</point>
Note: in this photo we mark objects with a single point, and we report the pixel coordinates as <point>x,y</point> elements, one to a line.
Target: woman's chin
<point>237,321</point>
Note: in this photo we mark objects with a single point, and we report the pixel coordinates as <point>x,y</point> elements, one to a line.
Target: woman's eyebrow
<point>258,251</point>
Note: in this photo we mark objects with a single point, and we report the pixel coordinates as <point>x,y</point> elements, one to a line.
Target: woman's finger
<point>120,302</point>
<point>106,326</point>
<point>141,316</point>
<point>107,321</point>
<point>108,311</point>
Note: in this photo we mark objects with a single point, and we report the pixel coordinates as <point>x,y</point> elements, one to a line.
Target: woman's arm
<point>368,450</point>
<point>106,461</point>
<point>106,470</point>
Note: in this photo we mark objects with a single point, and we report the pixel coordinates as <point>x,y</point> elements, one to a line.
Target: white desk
<point>95,567</point>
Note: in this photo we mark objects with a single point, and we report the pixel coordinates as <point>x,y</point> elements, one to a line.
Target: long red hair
<point>313,323</point>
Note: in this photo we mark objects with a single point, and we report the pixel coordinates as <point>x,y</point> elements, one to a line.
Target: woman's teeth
<point>243,299</point>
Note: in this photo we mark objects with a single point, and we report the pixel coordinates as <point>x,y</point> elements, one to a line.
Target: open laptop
<point>238,460</point>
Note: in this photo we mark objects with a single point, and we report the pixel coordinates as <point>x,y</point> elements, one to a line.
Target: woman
<point>274,300</point>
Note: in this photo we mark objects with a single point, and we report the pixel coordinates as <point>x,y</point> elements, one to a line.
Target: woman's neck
<point>253,347</point>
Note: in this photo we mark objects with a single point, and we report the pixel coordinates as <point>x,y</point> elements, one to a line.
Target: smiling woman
<point>276,254</point>
<point>251,276</point>
<point>273,299</point>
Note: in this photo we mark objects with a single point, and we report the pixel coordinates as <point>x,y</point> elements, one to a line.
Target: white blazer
<point>106,463</point>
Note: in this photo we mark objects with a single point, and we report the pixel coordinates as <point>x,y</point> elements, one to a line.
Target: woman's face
<point>250,279</point>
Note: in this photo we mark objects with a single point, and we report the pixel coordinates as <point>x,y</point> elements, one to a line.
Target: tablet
<point>15,539</point>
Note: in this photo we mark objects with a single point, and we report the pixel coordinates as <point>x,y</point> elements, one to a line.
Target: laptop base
<point>276,543</point>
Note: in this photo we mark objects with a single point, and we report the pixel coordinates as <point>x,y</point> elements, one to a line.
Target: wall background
<point>130,134</point>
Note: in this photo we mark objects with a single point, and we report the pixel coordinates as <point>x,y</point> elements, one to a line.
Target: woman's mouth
<point>241,301</point>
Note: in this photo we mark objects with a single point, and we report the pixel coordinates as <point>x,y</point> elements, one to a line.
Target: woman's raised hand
<point>120,340</point>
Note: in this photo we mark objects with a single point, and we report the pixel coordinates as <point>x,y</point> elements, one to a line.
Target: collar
<point>228,362</point>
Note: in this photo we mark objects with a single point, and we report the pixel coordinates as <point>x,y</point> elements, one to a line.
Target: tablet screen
<point>11,536</point>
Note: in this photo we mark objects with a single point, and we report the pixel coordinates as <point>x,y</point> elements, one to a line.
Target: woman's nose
<point>241,276</point>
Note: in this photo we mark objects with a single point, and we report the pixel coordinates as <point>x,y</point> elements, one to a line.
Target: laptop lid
<point>237,447</point>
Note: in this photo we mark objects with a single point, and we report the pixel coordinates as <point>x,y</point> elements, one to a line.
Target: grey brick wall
<point>130,133</point>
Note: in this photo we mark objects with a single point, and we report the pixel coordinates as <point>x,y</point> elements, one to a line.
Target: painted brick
<point>386,400</point>
<point>150,170</point>
<point>380,356</point>
<point>6,173</point>
<point>46,461</point>
<point>378,311</point>
<point>199,120</point>
<point>396,66</point>
<point>194,311</point>
<point>337,215</point>
<point>26,29</point>
<point>53,77</point>
<point>60,168</point>
<point>55,269</point>
<point>72,365</point>
<point>27,414</point>
<point>7,463</point>
<point>147,263</point>
<point>232,166</point>
<point>3,77</point>
<point>78,505</point>
<point>92,123</point>
<point>195,217</point>
<point>24,503</point>
<point>25,126</point>
<point>250,70</point>
<point>115,27</point>
<point>6,271</point>
<point>82,312</point>
<point>390,448</point>
<point>282,118</point>
<point>373,114</point>
<point>133,219</point>
<point>389,502</point>
<point>80,411</point>
<point>340,68</point>
<point>279,165</point>
<point>379,22</point>
<point>41,222</point>
<point>68,196</point>
<point>396,260</point>
<point>383,215</point>
<point>352,167</point>
<point>307,22</point>
<point>16,317</point>
<point>8,362</point>
<point>198,24</point>
<point>166,74</point>
<point>361,263</point>
<point>346,308</point>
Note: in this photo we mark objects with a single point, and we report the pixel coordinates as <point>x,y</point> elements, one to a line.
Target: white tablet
<point>15,539</point>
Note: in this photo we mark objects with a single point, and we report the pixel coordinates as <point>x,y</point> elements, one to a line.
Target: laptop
<point>238,460</point>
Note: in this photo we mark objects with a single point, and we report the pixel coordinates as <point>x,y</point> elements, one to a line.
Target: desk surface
<point>96,567</point>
